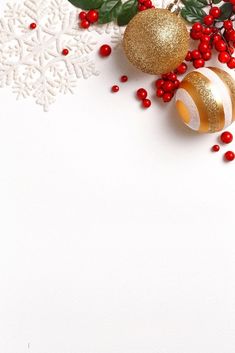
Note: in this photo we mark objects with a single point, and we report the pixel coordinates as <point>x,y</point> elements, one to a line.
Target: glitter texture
<point>156,41</point>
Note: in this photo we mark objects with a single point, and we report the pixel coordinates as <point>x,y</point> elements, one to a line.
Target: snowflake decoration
<point>31,61</point>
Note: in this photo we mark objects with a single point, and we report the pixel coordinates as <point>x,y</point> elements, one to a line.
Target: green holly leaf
<point>195,3</point>
<point>128,11</point>
<point>216,1</point>
<point>226,11</point>
<point>193,14</point>
<point>109,11</point>
<point>87,4</point>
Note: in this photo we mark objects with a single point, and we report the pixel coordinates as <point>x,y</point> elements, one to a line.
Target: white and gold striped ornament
<point>206,99</point>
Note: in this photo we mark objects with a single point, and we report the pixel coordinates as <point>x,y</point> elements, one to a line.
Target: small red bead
<point>146,103</point>
<point>33,25</point>
<point>226,137</point>
<point>231,63</point>
<point>82,15</point>
<point>115,88</point>
<point>220,45</point>
<point>197,27</point>
<point>141,93</point>
<point>124,78</point>
<point>105,50</point>
<point>215,148</point>
<point>229,156</point>
<point>65,52</point>
<point>188,56</point>
<point>85,24</point>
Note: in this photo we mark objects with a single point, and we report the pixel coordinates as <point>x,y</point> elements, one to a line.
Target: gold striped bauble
<point>205,99</point>
<point>156,41</point>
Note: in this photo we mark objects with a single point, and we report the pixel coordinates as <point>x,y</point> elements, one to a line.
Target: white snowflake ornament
<point>32,60</point>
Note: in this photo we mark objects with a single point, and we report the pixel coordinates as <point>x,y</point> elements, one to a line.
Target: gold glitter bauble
<point>205,99</point>
<point>156,41</point>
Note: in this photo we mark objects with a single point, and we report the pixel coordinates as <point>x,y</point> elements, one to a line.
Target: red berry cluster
<point>226,137</point>
<point>145,4</point>
<point>222,39</point>
<point>168,84</point>
<point>142,95</point>
<point>87,18</point>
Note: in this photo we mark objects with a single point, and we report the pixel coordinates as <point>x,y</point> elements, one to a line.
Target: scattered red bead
<point>124,78</point>
<point>229,156</point>
<point>33,26</point>
<point>65,52</point>
<point>215,148</point>
<point>82,15</point>
<point>226,137</point>
<point>115,88</point>
<point>105,50</point>
<point>146,103</point>
<point>141,93</point>
<point>85,24</point>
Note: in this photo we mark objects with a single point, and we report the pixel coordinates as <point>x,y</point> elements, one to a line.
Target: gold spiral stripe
<point>207,100</point>
<point>229,83</point>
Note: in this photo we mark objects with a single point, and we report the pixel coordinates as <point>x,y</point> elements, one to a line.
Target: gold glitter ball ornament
<point>156,41</point>
<point>205,99</point>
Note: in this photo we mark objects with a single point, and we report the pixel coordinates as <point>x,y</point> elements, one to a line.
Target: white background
<point>116,226</point>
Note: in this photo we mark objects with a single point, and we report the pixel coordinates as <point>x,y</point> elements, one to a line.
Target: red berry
<point>215,12</point>
<point>231,36</point>
<point>146,103</point>
<point>208,20</point>
<point>65,52</point>
<point>197,27</point>
<point>172,77</point>
<point>207,56</point>
<point>124,78</point>
<point>142,8</point>
<point>229,156</point>
<point>226,137</point>
<point>141,93</point>
<point>85,24</point>
<point>82,15</point>
<point>160,92</point>
<point>195,35</point>
<point>167,97</point>
<point>198,63</point>
<point>188,56</point>
<point>115,89</point>
<point>207,30</point>
<point>205,38</point>
<point>196,54</point>
<point>220,45</point>
<point>203,47</point>
<point>231,63</point>
<point>168,86</point>
<point>182,68</point>
<point>176,84</point>
<point>92,16</point>
<point>215,148</point>
<point>216,38</point>
<point>224,57</point>
<point>159,83</point>
<point>33,25</point>
<point>228,24</point>
<point>105,50</point>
